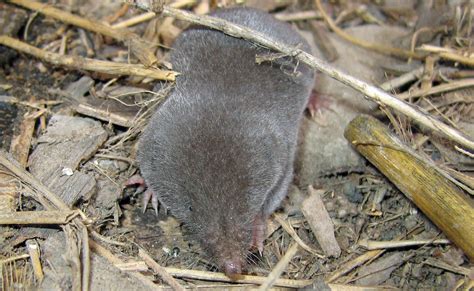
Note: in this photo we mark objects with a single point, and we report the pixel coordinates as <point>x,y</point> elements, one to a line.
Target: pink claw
<point>258,233</point>
<point>154,201</point>
<point>317,103</point>
<point>138,180</point>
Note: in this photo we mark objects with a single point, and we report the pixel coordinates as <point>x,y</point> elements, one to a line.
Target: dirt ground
<point>367,220</point>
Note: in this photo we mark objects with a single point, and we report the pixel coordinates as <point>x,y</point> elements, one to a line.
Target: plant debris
<point>79,80</point>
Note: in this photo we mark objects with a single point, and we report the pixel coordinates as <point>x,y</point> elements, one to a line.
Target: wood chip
<point>67,142</point>
<point>379,271</point>
<point>320,222</point>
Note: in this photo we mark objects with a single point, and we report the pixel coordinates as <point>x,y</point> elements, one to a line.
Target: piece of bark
<point>420,180</point>
<point>8,193</point>
<point>21,141</point>
<point>67,142</point>
<point>115,104</point>
<point>79,88</point>
<point>108,110</point>
<point>320,222</point>
<point>379,271</point>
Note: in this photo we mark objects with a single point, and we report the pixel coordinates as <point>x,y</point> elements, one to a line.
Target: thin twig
<point>160,271</point>
<point>279,267</point>
<point>80,63</point>
<point>291,231</point>
<point>400,81</point>
<point>376,245</point>
<point>150,15</point>
<point>448,54</point>
<point>298,16</point>
<point>212,276</point>
<point>455,85</point>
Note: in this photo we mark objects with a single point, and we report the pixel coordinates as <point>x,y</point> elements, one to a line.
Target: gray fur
<point>220,149</point>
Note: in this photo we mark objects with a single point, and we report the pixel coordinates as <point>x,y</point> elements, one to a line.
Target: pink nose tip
<point>233,268</point>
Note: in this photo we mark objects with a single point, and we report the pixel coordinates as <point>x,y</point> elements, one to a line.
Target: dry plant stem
<point>160,271</point>
<point>386,50</point>
<point>449,267</point>
<point>419,179</point>
<point>455,85</point>
<point>140,266</point>
<point>349,266</point>
<point>150,15</point>
<point>402,80</point>
<point>33,249</point>
<point>448,54</point>
<point>72,254</point>
<point>298,16</point>
<point>138,46</point>
<point>374,93</point>
<point>38,217</point>
<point>279,267</point>
<point>211,276</point>
<point>351,287</point>
<point>97,236</point>
<point>80,63</point>
<point>104,114</point>
<point>291,231</point>
<point>376,245</point>
<point>86,256</point>
<point>14,258</point>
<point>465,179</point>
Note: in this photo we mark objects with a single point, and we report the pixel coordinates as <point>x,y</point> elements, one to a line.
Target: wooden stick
<point>419,179</point>
<point>80,63</point>
<point>370,91</point>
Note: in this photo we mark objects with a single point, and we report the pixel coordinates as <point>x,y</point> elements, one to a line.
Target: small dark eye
<point>175,252</point>
<point>190,208</point>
